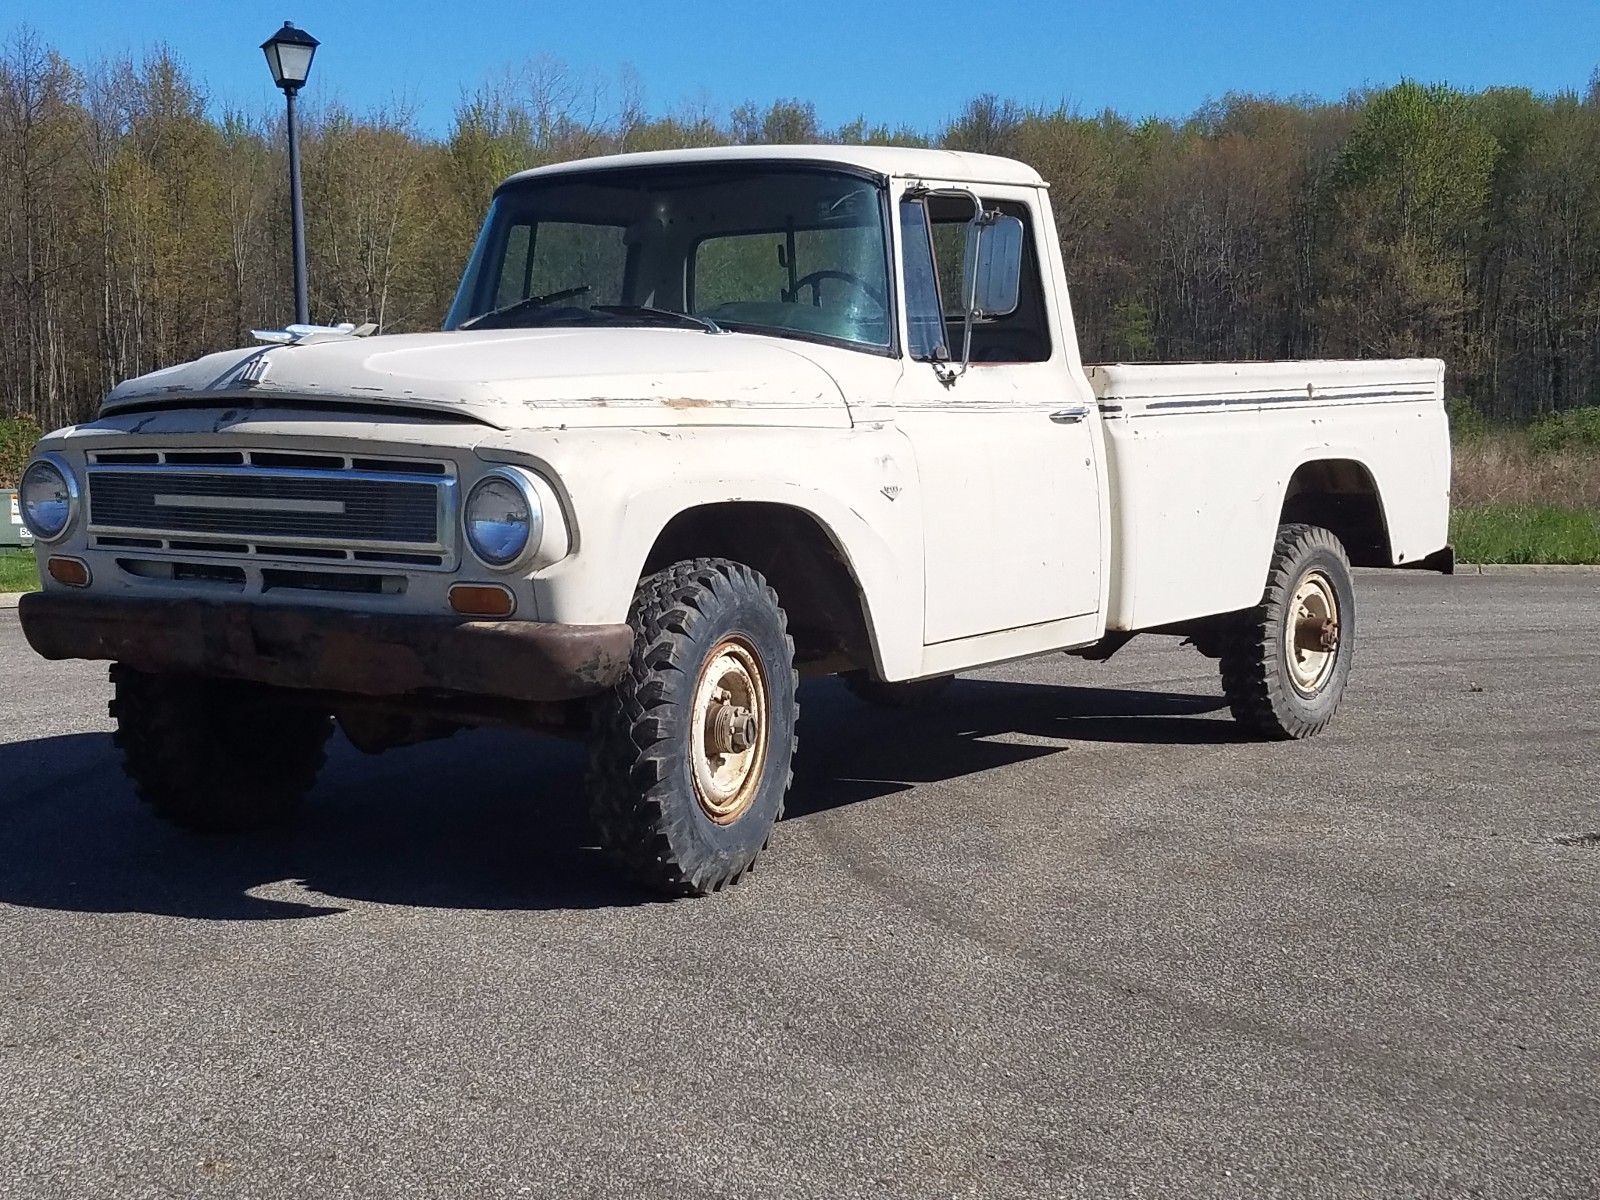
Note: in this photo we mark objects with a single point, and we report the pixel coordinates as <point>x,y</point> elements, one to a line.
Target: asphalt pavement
<point>1066,935</point>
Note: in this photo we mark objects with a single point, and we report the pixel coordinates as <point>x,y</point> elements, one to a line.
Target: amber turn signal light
<point>73,572</point>
<point>482,600</point>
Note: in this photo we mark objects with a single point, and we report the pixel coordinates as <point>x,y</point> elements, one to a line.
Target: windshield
<point>794,251</point>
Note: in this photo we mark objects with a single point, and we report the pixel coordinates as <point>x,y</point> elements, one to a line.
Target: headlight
<point>48,498</point>
<point>504,519</point>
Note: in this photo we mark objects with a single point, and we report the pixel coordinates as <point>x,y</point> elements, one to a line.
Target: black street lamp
<point>289,53</point>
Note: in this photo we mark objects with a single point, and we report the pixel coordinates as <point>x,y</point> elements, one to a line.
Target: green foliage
<point>1467,422</point>
<point>860,133</point>
<point>783,122</point>
<point>1133,331</point>
<point>1422,157</point>
<point>1409,195</point>
<point>1518,533</point>
<point>19,572</point>
<point>1575,427</point>
<point>17,436</point>
<point>138,228</point>
<point>988,125</point>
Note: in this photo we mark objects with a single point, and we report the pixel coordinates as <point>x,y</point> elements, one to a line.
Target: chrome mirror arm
<point>981,219</point>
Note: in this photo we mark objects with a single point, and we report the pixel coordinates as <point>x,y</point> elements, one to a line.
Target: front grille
<point>255,504</point>
<point>260,506</point>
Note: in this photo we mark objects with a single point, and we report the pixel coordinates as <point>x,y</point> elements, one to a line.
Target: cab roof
<point>890,161</point>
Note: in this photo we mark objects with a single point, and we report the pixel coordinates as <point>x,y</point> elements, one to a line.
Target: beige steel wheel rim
<point>1311,634</point>
<point>728,730</point>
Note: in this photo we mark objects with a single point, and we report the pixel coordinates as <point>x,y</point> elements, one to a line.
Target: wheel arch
<point>803,559</point>
<point>1340,493</point>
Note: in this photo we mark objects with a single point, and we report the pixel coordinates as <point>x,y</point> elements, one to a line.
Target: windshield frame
<point>492,237</point>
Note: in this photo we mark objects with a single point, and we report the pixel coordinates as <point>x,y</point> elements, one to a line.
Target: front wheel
<point>690,759</point>
<point>216,755</point>
<point>1285,661</point>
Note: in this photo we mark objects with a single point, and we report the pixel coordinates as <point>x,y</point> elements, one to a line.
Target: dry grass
<point>1527,496</point>
<point>1503,468</point>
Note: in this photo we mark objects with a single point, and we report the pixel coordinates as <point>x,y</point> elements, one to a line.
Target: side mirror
<point>993,273</point>
<point>991,278</point>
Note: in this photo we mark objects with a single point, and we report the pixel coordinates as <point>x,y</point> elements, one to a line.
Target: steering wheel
<point>814,282</point>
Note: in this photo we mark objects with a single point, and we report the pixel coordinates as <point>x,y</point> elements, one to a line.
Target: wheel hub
<point>733,728</point>
<point>1311,639</point>
<point>1316,634</point>
<point>728,732</point>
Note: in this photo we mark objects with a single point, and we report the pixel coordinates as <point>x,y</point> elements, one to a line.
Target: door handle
<point>1070,416</point>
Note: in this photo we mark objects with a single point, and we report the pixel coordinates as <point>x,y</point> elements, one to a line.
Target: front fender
<point>622,487</point>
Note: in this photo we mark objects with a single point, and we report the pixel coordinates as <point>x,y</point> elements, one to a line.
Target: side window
<point>1022,335</point>
<point>924,317</point>
<point>950,250</point>
<point>556,255</point>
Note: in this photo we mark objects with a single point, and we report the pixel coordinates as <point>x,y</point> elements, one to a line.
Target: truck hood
<point>521,378</point>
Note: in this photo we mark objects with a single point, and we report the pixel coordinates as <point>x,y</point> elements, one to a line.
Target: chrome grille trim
<point>339,514</point>
<point>190,546</point>
<point>265,459</point>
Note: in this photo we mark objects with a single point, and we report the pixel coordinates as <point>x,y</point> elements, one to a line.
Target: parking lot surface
<point>1066,934</point>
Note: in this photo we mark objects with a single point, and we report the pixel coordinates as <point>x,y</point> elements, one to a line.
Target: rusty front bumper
<point>369,654</point>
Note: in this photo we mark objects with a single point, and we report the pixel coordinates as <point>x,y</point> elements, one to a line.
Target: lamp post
<point>289,53</point>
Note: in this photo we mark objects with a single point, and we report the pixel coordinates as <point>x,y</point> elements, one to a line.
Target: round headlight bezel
<point>526,488</point>
<point>56,463</point>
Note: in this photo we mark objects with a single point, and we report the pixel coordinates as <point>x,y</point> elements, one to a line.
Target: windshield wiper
<point>645,310</point>
<point>525,303</point>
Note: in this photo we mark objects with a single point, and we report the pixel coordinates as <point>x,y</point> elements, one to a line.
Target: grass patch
<point>1525,533</point>
<point>1529,495</point>
<point>19,571</point>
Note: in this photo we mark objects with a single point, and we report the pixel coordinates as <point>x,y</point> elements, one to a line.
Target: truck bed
<point>1201,456</point>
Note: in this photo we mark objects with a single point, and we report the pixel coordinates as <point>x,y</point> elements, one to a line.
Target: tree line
<point>139,227</point>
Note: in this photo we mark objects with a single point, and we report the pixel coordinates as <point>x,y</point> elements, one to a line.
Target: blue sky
<point>893,60</point>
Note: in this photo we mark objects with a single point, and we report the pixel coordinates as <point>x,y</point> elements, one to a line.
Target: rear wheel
<point>216,755</point>
<point>690,761</point>
<point>1285,662</point>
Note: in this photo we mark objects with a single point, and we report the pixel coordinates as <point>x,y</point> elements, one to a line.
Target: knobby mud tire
<point>1257,676</point>
<point>651,821</point>
<point>215,755</point>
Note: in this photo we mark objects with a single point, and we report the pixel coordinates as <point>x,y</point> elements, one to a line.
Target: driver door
<point>1005,454</point>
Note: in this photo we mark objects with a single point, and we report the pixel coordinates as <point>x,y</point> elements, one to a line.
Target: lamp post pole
<point>297,216</point>
<point>289,53</point>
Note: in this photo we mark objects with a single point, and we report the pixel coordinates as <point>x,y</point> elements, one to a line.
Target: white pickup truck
<point>699,423</point>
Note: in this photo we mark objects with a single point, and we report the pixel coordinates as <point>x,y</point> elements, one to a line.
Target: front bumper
<point>368,654</point>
